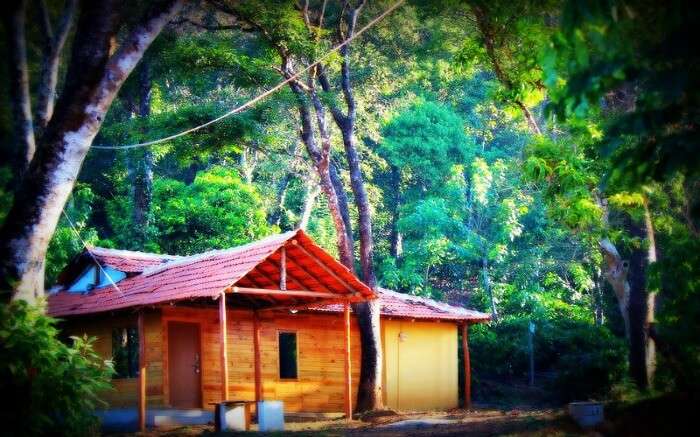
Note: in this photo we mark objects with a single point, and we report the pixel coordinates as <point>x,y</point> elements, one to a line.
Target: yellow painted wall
<point>420,365</point>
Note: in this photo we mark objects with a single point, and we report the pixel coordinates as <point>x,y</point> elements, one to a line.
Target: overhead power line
<point>265,94</point>
<point>85,246</point>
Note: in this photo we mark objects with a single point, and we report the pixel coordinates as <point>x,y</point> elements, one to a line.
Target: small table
<point>226,406</point>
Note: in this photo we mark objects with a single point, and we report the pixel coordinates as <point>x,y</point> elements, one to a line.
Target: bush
<point>590,363</point>
<point>51,386</point>
<point>574,359</point>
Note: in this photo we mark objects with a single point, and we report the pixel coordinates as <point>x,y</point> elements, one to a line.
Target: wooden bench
<point>228,404</point>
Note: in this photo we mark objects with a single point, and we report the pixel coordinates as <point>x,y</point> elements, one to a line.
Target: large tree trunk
<point>369,396</point>
<point>638,310</point>
<point>628,279</point>
<point>14,16</point>
<point>93,80</point>
<point>53,46</point>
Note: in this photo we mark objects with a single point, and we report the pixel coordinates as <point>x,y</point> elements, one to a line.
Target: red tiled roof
<point>129,261</point>
<point>401,305</point>
<point>204,276</point>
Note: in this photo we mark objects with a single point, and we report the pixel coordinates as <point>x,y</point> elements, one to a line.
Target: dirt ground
<point>482,422</point>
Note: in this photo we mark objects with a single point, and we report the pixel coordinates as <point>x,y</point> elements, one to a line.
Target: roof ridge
<point>104,251</point>
<point>441,306</point>
<point>184,260</point>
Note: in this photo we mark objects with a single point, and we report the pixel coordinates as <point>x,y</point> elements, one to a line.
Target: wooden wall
<point>125,389</point>
<point>319,387</point>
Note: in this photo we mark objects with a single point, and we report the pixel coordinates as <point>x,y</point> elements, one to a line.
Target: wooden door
<point>184,364</point>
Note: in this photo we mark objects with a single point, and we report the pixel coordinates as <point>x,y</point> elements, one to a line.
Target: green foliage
<point>676,277</point>
<point>217,211</point>
<point>424,142</point>
<point>67,241</point>
<point>573,358</point>
<point>6,194</point>
<point>640,59</point>
<point>50,387</point>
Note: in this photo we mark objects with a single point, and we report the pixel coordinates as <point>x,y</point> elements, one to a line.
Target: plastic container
<point>270,416</point>
<point>586,414</point>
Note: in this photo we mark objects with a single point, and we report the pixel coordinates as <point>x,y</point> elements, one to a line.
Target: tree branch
<point>23,125</point>
<point>489,35</point>
<point>213,28</point>
<point>51,58</point>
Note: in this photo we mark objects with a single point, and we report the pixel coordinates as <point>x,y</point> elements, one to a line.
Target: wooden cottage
<point>270,320</point>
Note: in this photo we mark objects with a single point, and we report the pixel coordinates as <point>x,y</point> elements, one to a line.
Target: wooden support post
<point>283,268</point>
<point>467,368</point>
<point>256,357</point>
<point>348,373</point>
<point>223,343</point>
<point>142,373</point>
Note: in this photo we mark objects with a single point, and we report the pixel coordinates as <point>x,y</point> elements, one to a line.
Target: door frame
<point>166,351</point>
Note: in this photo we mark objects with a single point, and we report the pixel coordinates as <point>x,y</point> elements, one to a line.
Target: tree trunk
<point>93,80</point>
<point>363,207</point>
<point>369,396</point>
<point>342,202</point>
<point>312,191</point>
<point>143,177</point>
<point>616,273</point>
<point>487,287</point>
<point>636,301</point>
<point>651,296</point>
<point>369,393</point>
<point>638,311</point>
<point>15,18</point>
<point>248,164</point>
<point>53,46</point>
<point>275,216</point>
<point>395,248</point>
<point>598,314</point>
<point>321,161</point>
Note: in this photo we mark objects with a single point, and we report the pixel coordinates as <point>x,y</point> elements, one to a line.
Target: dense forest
<point>533,160</point>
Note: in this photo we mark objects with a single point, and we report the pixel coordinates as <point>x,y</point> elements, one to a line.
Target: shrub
<point>51,386</point>
<point>574,359</point>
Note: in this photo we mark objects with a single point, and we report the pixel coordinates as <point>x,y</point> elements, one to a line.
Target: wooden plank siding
<point>125,393</point>
<point>320,348</point>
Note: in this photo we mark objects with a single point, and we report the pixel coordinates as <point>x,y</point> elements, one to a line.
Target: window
<point>288,355</point>
<point>125,352</point>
